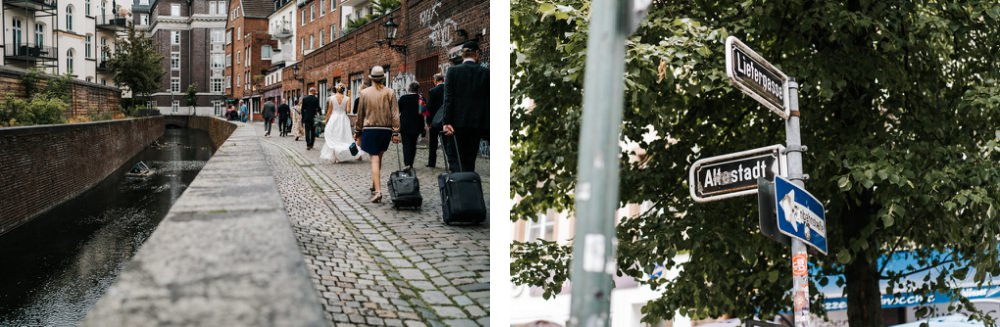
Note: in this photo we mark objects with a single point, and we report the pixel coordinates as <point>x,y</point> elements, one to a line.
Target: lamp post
<point>391,31</point>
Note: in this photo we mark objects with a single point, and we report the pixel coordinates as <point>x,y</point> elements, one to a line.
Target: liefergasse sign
<point>756,77</point>
<point>734,174</point>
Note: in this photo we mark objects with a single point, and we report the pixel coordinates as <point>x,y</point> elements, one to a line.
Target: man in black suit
<point>310,106</point>
<point>435,96</point>
<point>466,109</point>
<point>283,113</point>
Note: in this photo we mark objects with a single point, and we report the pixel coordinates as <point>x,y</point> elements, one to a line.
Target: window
<point>333,5</point>
<point>217,105</point>
<point>175,9</point>
<point>104,82</point>
<point>222,7</point>
<point>217,35</point>
<point>216,85</point>
<point>333,32</point>
<point>238,55</point>
<point>232,16</point>
<point>312,42</point>
<point>312,13</point>
<point>302,19</point>
<point>69,18</point>
<point>213,9</point>
<point>175,37</point>
<point>69,61</point>
<point>144,2</point>
<point>104,51</point>
<point>302,47</point>
<point>229,37</point>
<point>175,84</point>
<point>176,104</point>
<point>265,52</point>
<point>17,32</point>
<point>216,60</point>
<point>238,81</point>
<point>39,34</point>
<point>86,8</point>
<point>143,19</point>
<point>544,229</point>
<point>322,7</point>
<point>175,61</point>
<point>88,45</point>
<point>229,60</point>
<point>228,82</point>
<point>321,33</point>
<point>239,33</point>
<point>246,63</point>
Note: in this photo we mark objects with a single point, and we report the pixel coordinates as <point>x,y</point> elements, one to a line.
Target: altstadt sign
<point>734,174</point>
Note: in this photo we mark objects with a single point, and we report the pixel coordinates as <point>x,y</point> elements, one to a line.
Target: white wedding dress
<point>338,133</point>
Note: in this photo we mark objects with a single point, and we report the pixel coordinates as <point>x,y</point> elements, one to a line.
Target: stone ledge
<point>225,255</point>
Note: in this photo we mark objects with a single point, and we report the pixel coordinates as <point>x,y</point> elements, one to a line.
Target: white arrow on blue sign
<point>800,214</point>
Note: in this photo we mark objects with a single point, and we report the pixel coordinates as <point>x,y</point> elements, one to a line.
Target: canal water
<point>57,266</point>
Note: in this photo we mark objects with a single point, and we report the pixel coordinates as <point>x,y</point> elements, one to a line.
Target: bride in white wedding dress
<point>339,145</point>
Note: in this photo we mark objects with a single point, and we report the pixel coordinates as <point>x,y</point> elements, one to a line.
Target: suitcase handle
<point>459,156</point>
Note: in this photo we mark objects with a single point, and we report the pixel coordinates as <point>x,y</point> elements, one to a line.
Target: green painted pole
<point>597,187</point>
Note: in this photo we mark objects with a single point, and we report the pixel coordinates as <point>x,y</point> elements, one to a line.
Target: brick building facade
<point>431,30</point>
<point>250,50</point>
<point>191,37</point>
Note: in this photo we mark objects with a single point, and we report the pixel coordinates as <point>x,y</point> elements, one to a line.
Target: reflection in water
<point>59,264</point>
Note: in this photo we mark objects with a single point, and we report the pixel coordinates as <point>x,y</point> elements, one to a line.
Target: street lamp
<point>391,31</point>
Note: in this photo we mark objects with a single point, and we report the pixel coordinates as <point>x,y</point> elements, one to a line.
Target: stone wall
<point>87,97</point>
<point>43,166</point>
<point>217,128</point>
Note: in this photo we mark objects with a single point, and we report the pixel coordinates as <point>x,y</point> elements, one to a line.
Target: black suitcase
<point>461,196</point>
<point>404,188</point>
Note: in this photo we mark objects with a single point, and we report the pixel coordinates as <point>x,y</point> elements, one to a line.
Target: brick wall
<point>86,97</point>
<point>44,166</point>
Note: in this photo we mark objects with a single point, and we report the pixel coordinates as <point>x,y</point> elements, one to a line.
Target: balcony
<point>277,58</point>
<point>111,24</point>
<point>103,67</point>
<point>353,3</point>
<point>281,31</point>
<point>29,53</point>
<point>36,5</point>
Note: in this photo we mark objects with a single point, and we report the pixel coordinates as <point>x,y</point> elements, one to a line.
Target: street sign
<point>734,174</point>
<point>800,214</point>
<point>766,212</point>
<point>756,77</point>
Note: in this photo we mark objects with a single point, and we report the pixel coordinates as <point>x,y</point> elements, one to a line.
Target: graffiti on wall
<point>401,82</point>
<point>442,30</point>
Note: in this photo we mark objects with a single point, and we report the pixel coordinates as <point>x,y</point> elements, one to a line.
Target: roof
<point>257,8</point>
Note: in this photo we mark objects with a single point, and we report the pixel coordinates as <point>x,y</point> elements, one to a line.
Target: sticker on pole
<point>756,77</point>
<point>800,265</point>
<point>800,214</point>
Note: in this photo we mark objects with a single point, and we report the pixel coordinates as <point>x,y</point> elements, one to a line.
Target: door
<point>426,68</point>
<point>17,35</point>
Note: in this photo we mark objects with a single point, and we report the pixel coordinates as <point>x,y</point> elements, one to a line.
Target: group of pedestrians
<point>457,108</point>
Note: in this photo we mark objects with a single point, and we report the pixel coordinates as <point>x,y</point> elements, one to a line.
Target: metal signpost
<point>756,77</point>
<point>734,174</point>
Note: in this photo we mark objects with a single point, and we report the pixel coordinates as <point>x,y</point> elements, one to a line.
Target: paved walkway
<point>372,264</point>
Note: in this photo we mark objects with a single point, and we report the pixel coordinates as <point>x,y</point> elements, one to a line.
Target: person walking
<point>310,106</point>
<point>378,123</point>
<point>296,120</point>
<point>466,109</point>
<point>283,113</point>
<point>435,96</point>
<point>243,111</point>
<point>269,113</point>
<point>411,123</point>
<point>339,145</point>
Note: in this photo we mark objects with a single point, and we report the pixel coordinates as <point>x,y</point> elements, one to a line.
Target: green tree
<point>382,7</point>
<point>136,63</point>
<point>900,108</point>
<point>192,96</point>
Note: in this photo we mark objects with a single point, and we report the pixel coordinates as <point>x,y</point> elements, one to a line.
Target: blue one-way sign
<point>800,215</point>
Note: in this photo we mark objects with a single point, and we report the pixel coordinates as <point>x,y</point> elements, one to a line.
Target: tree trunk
<point>864,307</point>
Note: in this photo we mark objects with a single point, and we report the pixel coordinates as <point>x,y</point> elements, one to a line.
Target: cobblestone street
<point>372,264</point>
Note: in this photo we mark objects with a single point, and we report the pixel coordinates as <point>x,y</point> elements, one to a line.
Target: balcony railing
<point>103,66</point>
<point>112,24</point>
<point>25,52</point>
<point>282,31</point>
<point>37,5</point>
<point>277,58</point>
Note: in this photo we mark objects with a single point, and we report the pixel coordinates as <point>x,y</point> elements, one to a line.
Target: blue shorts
<point>374,141</point>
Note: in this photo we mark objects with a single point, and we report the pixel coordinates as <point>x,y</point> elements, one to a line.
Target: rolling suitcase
<point>404,188</point>
<point>461,195</point>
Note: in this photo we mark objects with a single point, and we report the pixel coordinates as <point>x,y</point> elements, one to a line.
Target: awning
<point>836,298</point>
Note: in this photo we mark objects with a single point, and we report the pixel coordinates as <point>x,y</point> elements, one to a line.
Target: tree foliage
<point>136,63</point>
<point>900,110</point>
